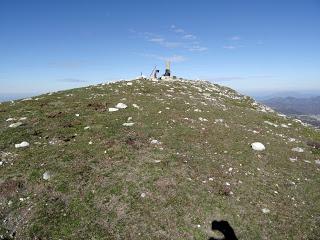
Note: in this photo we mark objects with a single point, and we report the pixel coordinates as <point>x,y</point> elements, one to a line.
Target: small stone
<point>293,159</point>
<point>77,114</point>
<point>113,109</point>
<point>90,143</point>
<point>22,145</point>
<point>129,83</point>
<point>10,119</point>
<point>135,106</point>
<point>297,149</point>
<point>128,124</point>
<point>265,210</point>
<point>121,106</point>
<point>203,119</point>
<point>46,175</point>
<point>143,195</point>
<point>86,128</point>
<point>154,141</point>
<point>129,119</point>
<point>257,146</point>
<point>317,161</point>
<point>14,125</point>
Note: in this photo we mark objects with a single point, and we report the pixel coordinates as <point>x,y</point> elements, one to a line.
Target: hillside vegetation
<point>172,158</point>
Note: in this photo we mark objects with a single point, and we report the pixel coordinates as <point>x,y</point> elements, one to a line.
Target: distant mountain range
<point>292,105</point>
<point>306,109</point>
<point>14,96</point>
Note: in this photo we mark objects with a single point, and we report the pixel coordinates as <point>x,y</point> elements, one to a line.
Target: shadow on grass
<point>225,228</point>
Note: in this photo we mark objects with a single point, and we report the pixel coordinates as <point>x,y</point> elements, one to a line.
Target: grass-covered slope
<point>104,180</point>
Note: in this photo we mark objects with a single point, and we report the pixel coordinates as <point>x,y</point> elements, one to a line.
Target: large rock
<point>257,146</point>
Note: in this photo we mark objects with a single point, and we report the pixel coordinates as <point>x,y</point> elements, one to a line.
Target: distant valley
<point>305,109</point>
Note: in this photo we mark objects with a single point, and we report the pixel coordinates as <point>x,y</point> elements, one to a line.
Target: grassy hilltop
<point>182,159</point>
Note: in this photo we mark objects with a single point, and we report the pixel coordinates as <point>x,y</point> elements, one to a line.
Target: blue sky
<point>251,46</point>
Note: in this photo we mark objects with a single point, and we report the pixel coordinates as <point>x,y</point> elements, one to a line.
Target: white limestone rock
<point>130,124</point>
<point>121,106</point>
<point>257,146</point>
<point>22,145</point>
<point>46,175</point>
<point>297,149</point>
<point>156,142</point>
<point>113,109</point>
<point>14,125</point>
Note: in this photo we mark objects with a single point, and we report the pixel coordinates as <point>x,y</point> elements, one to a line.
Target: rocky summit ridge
<point>155,160</point>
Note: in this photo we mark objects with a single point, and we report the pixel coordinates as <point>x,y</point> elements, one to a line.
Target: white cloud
<point>189,37</point>
<point>183,40</point>
<point>235,38</point>
<point>173,58</point>
<point>197,48</point>
<point>177,30</point>
<point>229,47</point>
<point>156,40</point>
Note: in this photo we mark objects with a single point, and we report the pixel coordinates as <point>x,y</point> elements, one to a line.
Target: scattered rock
<point>154,141</point>
<point>203,119</point>
<point>22,145</point>
<point>143,195</point>
<point>128,124</point>
<point>46,175</point>
<point>135,106</point>
<point>297,149</point>
<point>257,146</point>
<point>271,124</point>
<point>113,109</point>
<point>77,114</point>
<point>293,159</point>
<point>121,106</point>
<point>265,210</point>
<point>86,128</point>
<point>317,161</point>
<point>14,125</point>
<point>10,119</point>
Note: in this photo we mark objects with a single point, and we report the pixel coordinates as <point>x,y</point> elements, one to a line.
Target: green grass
<point>95,189</point>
